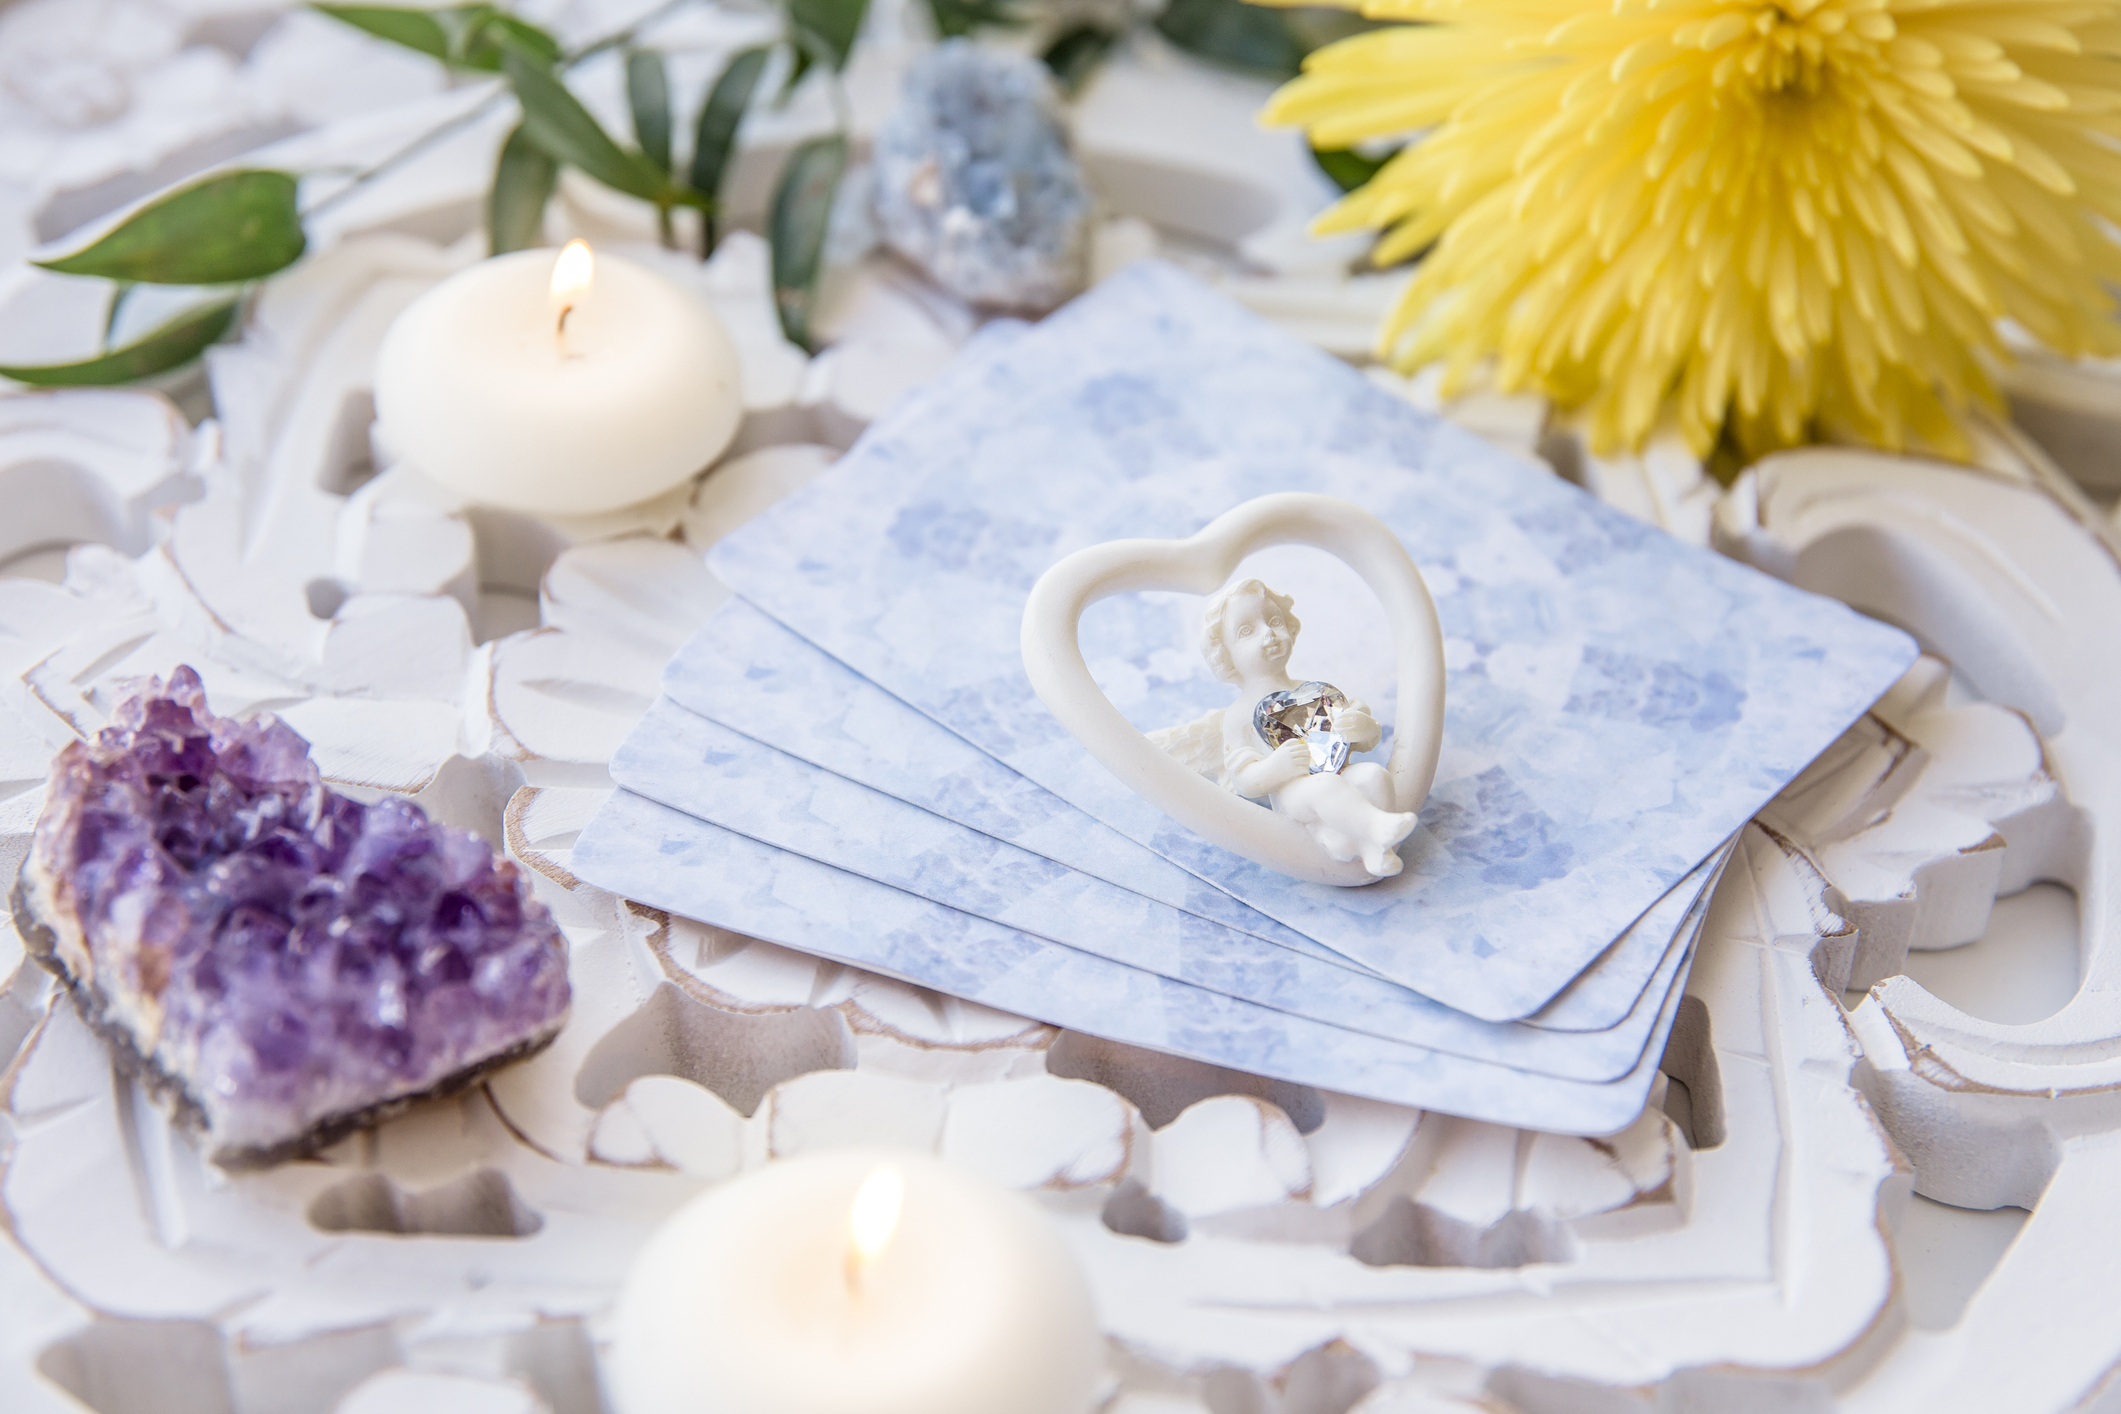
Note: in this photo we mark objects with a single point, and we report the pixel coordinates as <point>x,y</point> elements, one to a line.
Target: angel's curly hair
<point>1212,646</point>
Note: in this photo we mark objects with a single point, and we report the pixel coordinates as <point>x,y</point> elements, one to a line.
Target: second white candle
<point>780,1293</point>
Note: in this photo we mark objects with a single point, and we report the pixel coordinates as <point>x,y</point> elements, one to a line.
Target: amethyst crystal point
<point>283,963</point>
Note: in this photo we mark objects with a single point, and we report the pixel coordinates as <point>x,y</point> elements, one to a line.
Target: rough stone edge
<point>170,1090</point>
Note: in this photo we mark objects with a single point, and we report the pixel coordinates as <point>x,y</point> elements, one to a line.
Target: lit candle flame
<point>872,1221</point>
<point>572,275</point>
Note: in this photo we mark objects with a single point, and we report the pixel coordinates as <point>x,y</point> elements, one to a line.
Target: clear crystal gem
<point>1311,711</point>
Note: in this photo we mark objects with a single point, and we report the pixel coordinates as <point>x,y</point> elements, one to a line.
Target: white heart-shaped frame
<point>1053,660</point>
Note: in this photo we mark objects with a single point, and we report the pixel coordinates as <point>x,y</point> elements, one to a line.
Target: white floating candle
<point>855,1281</point>
<point>563,385</point>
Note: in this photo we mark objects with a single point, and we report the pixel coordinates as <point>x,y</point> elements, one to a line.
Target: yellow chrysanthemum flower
<point>1801,217</point>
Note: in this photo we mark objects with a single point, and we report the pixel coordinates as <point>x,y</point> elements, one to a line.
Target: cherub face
<point>1257,635</point>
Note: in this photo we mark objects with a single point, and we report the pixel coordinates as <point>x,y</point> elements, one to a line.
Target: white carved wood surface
<point>1825,1210</point>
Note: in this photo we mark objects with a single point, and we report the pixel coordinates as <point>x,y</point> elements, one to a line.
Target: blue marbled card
<point>680,759</point>
<point>750,674</point>
<point>669,859</point>
<point>1619,702</point>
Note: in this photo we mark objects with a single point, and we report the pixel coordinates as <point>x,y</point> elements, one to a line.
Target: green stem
<point>842,110</point>
<point>119,290</point>
<point>625,36</point>
<point>425,142</point>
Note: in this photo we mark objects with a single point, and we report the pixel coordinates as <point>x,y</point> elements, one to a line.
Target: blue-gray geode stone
<point>975,182</point>
<point>281,963</point>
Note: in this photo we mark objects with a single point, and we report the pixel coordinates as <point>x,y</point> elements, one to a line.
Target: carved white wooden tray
<point>1755,1242</point>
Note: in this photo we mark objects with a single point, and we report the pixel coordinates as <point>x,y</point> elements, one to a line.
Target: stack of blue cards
<point>848,759</point>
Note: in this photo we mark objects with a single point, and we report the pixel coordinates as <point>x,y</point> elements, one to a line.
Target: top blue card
<point>1618,702</point>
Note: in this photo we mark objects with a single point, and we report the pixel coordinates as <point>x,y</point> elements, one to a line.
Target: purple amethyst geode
<point>281,963</point>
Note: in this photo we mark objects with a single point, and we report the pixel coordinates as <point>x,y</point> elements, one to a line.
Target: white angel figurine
<point>1247,634</point>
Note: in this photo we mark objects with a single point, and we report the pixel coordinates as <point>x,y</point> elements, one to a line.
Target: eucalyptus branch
<point>427,141</point>
<point>235,229</point>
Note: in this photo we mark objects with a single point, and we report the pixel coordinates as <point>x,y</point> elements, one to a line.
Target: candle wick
<point>560,333</point>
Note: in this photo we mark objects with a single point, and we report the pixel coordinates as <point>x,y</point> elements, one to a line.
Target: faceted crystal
<point>1310,711</point>
<point>283,962</point>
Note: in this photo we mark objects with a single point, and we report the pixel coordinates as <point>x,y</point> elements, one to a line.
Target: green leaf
<point>648,94</point>
<point>721,112</point>
<point>177,342</point>
<point>232,226</point>
<point>523,182</point>
<point>802,210</point>
<point>1235,34</point>
<point>415,29</point>
<point>489,34</point>
<point>557,122</point>
<point>827,28</point>
<point>799,65</point>
<point>467,36</point>
<point>960,17</point>
<point>463,24</point>
<point>1316,26</point>
<point>1075,55</point>
<point>1348,169</point>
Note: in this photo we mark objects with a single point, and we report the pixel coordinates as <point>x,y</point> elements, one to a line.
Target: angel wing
<point>1197,744</point>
